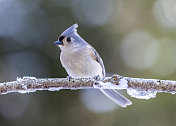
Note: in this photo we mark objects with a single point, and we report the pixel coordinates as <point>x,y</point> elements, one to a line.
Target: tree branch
<point>136,87</point>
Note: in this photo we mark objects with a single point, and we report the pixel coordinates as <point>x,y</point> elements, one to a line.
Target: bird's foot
<point>69,77</point>
<point>97,77</point>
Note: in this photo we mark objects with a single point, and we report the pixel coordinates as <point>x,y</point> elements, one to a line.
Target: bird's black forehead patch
<point>61,38</point>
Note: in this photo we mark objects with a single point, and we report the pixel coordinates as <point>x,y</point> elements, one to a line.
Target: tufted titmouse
<point>81,60</point>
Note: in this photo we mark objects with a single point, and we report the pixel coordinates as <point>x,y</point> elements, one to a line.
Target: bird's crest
<point>72,30</point>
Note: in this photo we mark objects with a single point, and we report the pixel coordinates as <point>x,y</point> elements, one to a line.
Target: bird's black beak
<point>58,43</point>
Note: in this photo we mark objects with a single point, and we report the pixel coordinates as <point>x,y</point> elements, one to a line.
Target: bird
<point>81,60</point>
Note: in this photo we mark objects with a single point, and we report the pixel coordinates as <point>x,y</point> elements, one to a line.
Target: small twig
<point>31,84</point>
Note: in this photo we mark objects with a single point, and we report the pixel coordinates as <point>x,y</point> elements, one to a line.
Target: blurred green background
<point>135,38</point>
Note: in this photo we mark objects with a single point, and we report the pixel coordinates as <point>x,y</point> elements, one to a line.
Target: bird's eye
<point>68,39</point>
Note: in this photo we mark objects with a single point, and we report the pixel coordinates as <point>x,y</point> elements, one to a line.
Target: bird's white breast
<point>80,64</point>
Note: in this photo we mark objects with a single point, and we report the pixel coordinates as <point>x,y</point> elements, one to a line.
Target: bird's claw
<point>69,77</point>
<point>97,77</point>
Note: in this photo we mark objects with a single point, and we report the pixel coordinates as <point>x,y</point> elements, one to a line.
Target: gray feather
<point>72,30</point>
<point>99,60</point>
<point>114,95</point>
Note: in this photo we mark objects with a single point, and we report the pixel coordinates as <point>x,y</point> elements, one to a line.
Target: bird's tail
<point>115,96</point>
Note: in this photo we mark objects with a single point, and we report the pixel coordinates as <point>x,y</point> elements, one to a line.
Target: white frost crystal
<point>122,85</point>
<point>141,94</point>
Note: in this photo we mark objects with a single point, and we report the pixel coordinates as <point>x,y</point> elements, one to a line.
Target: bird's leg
<point>97,77</point>
<point>69,77</point>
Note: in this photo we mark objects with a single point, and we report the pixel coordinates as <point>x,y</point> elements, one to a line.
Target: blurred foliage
<point>134,38</point>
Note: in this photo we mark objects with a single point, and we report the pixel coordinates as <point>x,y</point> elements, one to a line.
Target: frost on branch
<point>136,87</point>
<point>141,94</point>
<point>148,88</point>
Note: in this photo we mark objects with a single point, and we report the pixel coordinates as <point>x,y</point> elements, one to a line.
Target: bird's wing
<point>97,57</point>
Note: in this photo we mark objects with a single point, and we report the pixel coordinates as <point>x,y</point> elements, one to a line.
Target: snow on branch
<point>136,87</point>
